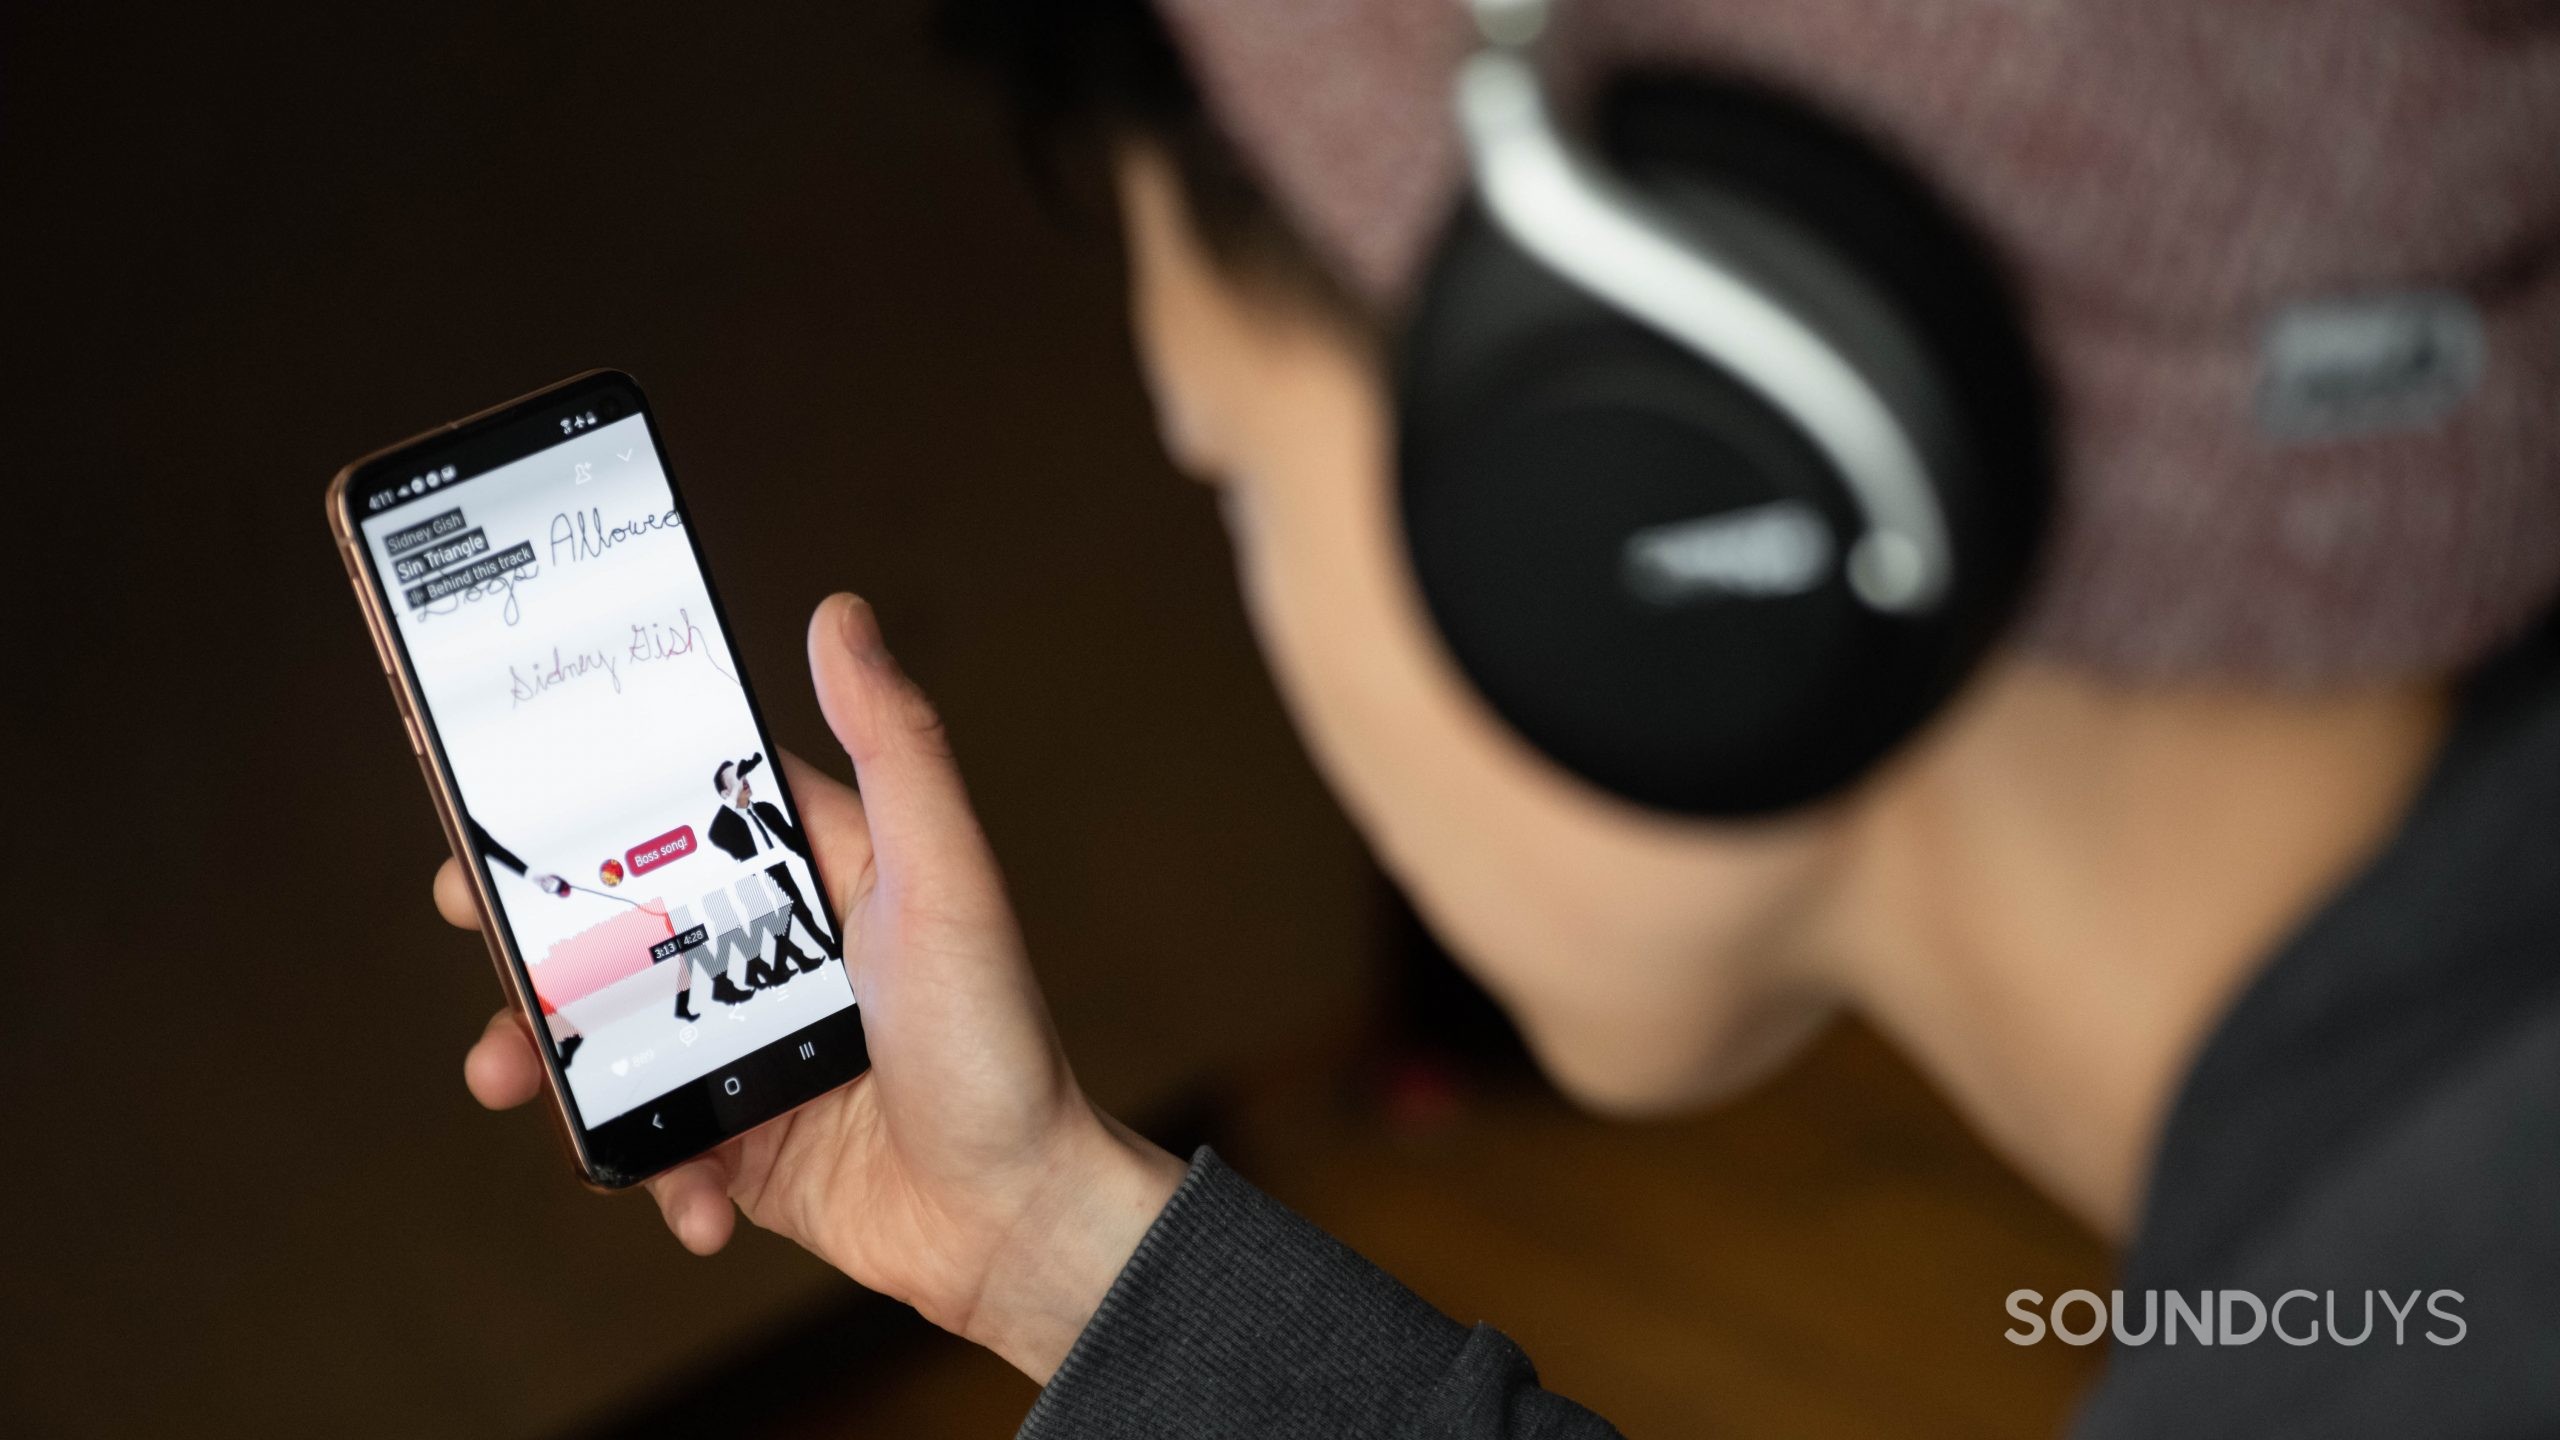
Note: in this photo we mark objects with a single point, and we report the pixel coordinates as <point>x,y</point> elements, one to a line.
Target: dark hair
<point>1079,76</point>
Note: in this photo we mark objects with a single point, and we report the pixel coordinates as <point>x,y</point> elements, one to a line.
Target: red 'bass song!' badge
<point>648,855</point>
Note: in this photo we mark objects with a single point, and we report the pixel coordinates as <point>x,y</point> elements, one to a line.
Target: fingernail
<point>859,627</point>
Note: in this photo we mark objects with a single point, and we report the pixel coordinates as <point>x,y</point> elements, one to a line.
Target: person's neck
<point>2072,880</point>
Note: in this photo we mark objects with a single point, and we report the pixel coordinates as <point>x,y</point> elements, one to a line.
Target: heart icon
<point>686,1035</point>
<point>621,1067</point>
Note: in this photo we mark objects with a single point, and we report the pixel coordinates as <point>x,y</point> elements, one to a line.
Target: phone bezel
<point>697,1115</point>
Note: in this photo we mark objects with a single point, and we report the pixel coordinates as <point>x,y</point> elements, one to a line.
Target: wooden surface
<point>1827,1258</point>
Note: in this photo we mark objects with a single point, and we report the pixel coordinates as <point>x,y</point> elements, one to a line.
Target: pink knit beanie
<point>2292,265</point>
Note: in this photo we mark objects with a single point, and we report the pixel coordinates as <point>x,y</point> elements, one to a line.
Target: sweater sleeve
<point>1238,1318</point>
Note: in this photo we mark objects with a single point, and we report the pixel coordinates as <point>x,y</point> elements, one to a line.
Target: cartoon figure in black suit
<point>747,828</point>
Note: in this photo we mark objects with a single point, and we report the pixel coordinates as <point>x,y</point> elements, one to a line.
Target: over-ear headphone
<point>1723,458</point>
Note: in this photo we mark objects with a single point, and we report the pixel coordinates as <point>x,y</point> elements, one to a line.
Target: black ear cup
<point>1550,444</point>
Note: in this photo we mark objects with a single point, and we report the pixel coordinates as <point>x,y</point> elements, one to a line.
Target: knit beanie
<point>2292,268</point>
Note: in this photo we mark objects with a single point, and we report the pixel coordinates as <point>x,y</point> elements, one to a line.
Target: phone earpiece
<point>1663,569</point>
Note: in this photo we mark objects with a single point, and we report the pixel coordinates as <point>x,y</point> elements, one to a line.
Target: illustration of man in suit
<point>747,828</point>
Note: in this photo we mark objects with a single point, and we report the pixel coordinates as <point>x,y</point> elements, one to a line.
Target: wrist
<point>1070,1244</point>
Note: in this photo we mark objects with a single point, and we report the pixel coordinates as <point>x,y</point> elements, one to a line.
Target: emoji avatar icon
<point>610,872</point>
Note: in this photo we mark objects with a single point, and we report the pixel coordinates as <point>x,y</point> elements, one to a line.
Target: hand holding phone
<point>966,1174</point>
<point>692,937</point>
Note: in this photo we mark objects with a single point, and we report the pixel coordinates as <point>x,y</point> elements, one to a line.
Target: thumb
<point>921,824</point>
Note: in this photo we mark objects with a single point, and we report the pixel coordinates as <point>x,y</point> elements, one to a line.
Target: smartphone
<point>537,595</point>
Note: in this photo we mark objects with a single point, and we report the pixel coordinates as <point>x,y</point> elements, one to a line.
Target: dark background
<point>246,1191</point>
<point>265,243</point>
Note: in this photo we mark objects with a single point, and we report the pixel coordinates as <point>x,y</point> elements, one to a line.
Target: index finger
<point>501,1070</point>
<point>453,896</point>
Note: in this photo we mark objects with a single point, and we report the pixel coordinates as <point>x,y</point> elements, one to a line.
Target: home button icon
<point>730,1084</point>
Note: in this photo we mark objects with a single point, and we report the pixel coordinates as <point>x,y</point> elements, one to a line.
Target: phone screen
<point>613,779</point>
